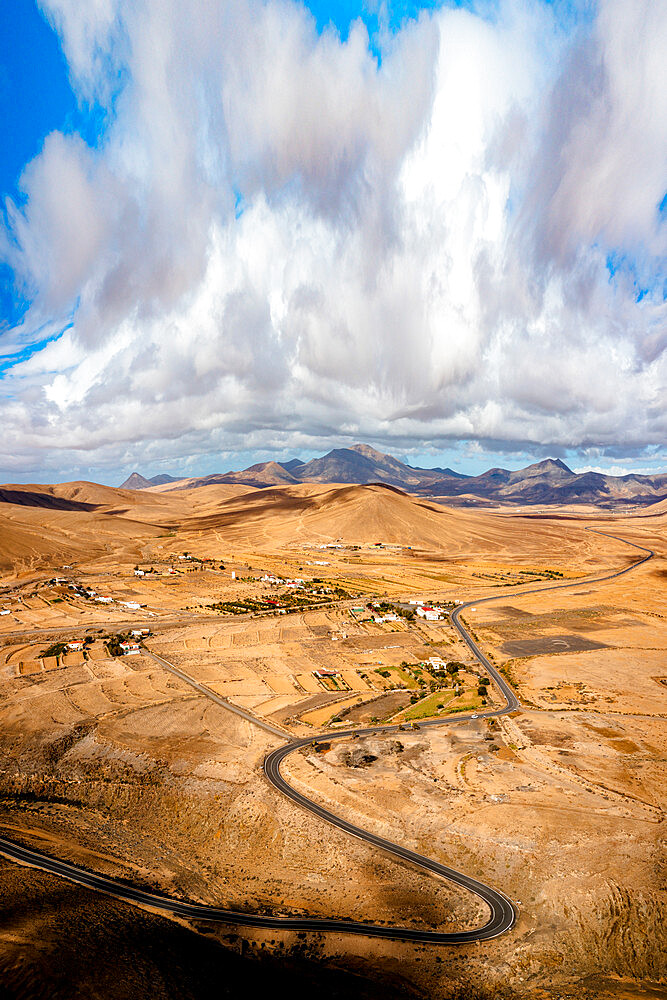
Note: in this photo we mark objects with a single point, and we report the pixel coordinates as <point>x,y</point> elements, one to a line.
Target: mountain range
<point>138,482</point>
<point>546,482</point>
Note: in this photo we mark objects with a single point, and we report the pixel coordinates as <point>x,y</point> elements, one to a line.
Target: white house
<point>429,614</point>
<point>76,644</point>
<point>104,600</point>
<point>130,648</point>
<point>139,572</point>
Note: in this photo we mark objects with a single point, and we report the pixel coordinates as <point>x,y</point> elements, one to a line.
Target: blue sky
<point>146,321</point>
<point>36,97</point>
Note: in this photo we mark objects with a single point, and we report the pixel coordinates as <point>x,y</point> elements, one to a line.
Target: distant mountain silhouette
<point>293,464</point>
<point>547,482</point>
<point>451,472</point>
<point>363,464</point>
<point>138,482</point>
<point>552,482</point>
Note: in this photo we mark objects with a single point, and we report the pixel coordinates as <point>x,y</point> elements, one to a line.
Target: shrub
<point>57,649</point>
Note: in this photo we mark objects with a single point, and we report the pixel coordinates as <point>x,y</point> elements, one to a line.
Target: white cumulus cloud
<point>279,238</point>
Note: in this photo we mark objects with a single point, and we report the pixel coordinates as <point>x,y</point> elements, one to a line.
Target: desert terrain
<point>294,606</point>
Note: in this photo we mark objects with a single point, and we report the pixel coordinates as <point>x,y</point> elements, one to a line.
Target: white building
<point>429,614</point>
<point>130,648</point>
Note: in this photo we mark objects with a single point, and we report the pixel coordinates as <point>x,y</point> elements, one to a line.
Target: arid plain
<point>293,604</point>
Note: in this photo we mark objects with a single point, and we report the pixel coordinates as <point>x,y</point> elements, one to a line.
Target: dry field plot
<point>596,646</point>
<point>251,666</point>
<point>253,661</point>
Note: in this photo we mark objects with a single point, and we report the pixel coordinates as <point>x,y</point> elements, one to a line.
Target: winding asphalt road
<point>503,912</point>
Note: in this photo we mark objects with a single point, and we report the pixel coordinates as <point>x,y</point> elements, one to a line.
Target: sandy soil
<point>116,763</point>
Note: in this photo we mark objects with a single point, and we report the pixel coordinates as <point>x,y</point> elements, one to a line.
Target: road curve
<point>503,912</point>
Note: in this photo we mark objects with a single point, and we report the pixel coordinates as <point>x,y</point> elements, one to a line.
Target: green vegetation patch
<point>428,706</point>
<point>407,680</point>
<point>434,703</point>
<point>288,601</point>
<point>57,649</point>
<point>113,642</point>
